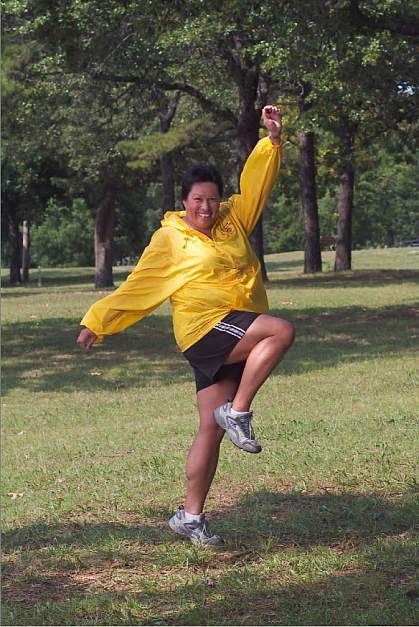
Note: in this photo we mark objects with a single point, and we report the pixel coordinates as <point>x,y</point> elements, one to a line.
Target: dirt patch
<point>52,586</point>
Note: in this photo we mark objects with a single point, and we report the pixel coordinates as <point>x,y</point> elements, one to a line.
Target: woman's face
<point>202,205</point>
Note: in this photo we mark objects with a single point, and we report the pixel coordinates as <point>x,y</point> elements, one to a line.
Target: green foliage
<point>147,148</point>
<point>283,222</point>
<point>387,201</point>
<point>11,60</point>
<point>81,80</point>
<point>283,226</point>
<point>327,214</point>
<point>131,233</point>
<point>65,237</point>
<point>29,164</point>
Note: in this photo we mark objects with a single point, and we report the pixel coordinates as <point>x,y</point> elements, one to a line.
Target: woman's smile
<point>202,206</point>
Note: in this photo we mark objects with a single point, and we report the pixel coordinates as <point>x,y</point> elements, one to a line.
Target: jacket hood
<point>174,220</point>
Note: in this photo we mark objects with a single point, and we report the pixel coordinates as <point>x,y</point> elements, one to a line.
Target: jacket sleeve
<point>256,182</point>
<point>154,279</point>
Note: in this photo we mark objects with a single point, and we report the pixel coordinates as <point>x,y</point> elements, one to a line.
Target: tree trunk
<point>248,129</point>
<point>168,180</point>
<point>343,259</point>
<point>248,134</point>
<point>312,250</point>
<point>167,111</point>
<point>391,238</point>
<point>15,254</point>
<point>252,93</point>
<point>105,217</point>
<point>25,252</point>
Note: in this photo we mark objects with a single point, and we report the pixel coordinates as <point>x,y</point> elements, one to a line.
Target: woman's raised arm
<point>259,173</point>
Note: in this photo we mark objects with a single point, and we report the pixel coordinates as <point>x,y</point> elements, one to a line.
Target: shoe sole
<point>245,449</point>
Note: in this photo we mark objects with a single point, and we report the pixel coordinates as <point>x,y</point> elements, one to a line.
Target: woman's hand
<point>272,120</point>
<point>86,339</point>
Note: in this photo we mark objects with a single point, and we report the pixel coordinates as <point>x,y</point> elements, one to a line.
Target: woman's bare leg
<point>265,343</point>
<point>203,455</point>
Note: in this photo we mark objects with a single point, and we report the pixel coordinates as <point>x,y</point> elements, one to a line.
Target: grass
<point>320,527</point>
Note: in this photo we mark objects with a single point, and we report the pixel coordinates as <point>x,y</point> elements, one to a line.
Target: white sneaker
<point>195,530</point>
<point>239,429</point>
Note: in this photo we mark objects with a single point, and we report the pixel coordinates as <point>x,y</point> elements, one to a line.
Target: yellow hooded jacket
<point>204,278</point>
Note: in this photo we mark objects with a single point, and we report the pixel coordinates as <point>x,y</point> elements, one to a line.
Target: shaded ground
<point>255,579</point>
<point>328,555</point>
<point>361,278</point>
<point>326,336</point>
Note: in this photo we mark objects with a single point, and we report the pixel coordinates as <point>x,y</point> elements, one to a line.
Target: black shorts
<point>207,356</point>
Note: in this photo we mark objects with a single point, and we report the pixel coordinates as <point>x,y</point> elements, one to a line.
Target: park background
<point>105,104</point>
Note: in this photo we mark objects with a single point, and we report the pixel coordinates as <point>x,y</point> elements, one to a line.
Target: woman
<point>201,259</point>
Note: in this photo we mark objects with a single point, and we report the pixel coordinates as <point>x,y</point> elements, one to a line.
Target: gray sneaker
<point>196,530</point>
<point>239,430</point>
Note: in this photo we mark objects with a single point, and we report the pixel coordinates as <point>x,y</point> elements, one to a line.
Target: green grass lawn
<point>319,528</point>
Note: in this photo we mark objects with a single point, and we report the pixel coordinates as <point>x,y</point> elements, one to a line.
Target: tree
<point>297,57</point>
<point>226,66</point>
<point>312,255</point>
<point>112,72</point>
<point>89,116</point>
<point>358,77</point>
<point>28,167</point>
<point>59,240</point>
<point>166,110</point>
<point>372,88</point>
<point>387,191</point>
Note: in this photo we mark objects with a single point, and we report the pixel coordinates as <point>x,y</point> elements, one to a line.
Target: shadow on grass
<point>360,278</point>
<point>43,355</point>
<point>57,279</point>
<point>290,558</point>
<point>285,265</point>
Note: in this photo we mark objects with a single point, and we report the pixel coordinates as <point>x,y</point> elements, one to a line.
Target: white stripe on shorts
<point>231,329</point>
<point>233,326</point>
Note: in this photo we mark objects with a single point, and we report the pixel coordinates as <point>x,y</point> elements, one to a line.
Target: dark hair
<point>201,173</point>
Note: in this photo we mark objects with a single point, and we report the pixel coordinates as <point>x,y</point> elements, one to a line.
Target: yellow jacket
<point>204,278</point>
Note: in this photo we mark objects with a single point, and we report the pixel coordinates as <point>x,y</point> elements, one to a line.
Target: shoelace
<point>204,530</point>
<point>246,427</point>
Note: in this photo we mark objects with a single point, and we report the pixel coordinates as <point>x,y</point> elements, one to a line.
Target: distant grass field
<point>319,528</point>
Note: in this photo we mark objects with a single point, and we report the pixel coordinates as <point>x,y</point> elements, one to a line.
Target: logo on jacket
<point>227,227</point>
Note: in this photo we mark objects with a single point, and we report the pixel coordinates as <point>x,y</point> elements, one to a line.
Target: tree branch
<point>408,27</point>
<point>166,106</point>
<point>408,115</point>
<point>207,104</point>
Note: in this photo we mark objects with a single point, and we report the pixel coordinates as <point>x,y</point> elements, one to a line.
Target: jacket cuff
<point>100,336</point>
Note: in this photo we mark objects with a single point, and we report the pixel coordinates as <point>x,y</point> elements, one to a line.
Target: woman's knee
<point>287,333</point>
<point>283,333</point>
<point>265,326</point>
<point>210,434</point>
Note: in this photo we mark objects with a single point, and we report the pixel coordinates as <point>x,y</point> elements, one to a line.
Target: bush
<point>65,237</point>
<point>283,226</point>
